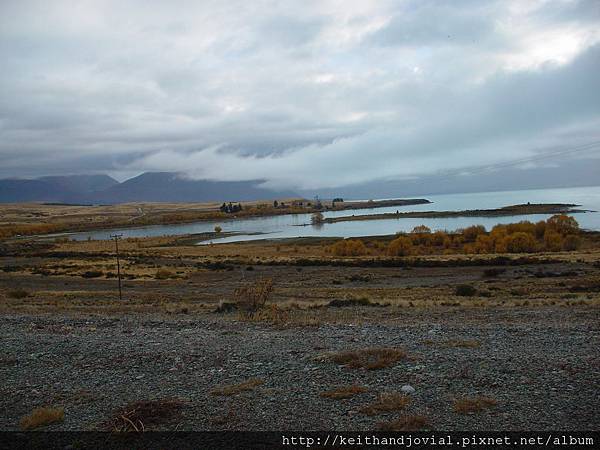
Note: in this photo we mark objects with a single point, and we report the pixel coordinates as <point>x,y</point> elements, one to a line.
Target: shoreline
<point>187,216</point>
<point>512,210</point>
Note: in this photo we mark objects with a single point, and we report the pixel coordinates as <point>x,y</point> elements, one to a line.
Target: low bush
<point>386,402</point>
<point>470,233</point>
<point>401,246</point>
<point>343,392</point>
<point>571,243</point>
<point>250,299</point>
<point>553,241</point>
<point>224,307</point>
<point>465,290</point>
<point>92,274</point>
<point>472,405</point>
<point>404,423</point>
<point>563,224</point>
<point>349,247</point>
<point>142,415</point>
<point>234,389</point>
<point>364,277</point>
<point>520,242</point>
<point>40,417</point>
<point>17,293</point>
<point>493,272</point>
<point>369,359</point>
<point>164,274</point>
<point>347,302</point>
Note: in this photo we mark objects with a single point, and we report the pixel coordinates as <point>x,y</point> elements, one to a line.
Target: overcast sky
<point>302,94</point>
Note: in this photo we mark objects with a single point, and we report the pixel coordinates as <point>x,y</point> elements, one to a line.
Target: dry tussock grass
<point>343,392</point>
<point>252,298</point>
<point>40,417</point>
<point>455,343</point>
<point>386,402</point>
<point>405,423</point>
<point>463,343</point>
<point>141,415</point>
<point>234,389</point>
<point>473,404</point>
<point>369,359</point>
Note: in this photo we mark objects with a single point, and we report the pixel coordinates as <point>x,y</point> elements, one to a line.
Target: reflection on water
<point>287,226</point>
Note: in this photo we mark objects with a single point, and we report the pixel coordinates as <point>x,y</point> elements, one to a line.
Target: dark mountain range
<point>147,187</point>
<point>171,187</point>
<point>81,183</point>
<point>64,189</point>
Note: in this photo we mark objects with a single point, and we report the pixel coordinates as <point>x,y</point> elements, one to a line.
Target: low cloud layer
<point>303,95</point>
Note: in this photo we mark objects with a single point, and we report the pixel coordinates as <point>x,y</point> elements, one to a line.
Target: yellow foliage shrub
<point>349,247</point>
<point>571,243</point>
<point>563,224</point>
<point>521,227</point>
<point>540,229</point>
<point>401,246</point>
<point>553,241</point>
<point>471,233</point>
<point>439,238</point>
<point>520,243</point>
<point>484,244</point>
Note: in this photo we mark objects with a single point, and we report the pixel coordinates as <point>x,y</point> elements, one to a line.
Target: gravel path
<point>541,365</point>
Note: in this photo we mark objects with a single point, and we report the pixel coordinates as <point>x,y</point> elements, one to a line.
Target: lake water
<point>286,226</point>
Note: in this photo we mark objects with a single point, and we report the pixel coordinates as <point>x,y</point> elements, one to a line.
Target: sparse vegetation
<point>465,290</point>
<point>17,293</point>
<point>224,307</point>
<point>369,359</point>
<point>401,246</point>
<point>386,402</point>
<point>405,423</point>
<point>463,343</point>
<point>350,302</point>
<point>349,247</point>
<point>164,274</point>
<point>40,417</point>
<point>344,392</point>
<point>493,272</point>
<point>473,404</point>
<point>234,389</point>
<point>250,299</point>
<point>143,415</point>
<point>92,274</point>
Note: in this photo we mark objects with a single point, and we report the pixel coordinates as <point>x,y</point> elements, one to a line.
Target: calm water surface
<point>286,226</point>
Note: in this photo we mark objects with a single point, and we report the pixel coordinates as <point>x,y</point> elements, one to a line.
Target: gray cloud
<point>310,95</point>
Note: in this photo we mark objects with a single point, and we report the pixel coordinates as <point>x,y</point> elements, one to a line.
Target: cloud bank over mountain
<point>304,95</point>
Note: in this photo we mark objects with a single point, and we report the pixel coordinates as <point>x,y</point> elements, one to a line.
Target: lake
<point>286,226</point>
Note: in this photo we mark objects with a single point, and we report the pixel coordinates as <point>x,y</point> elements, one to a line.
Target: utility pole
<point>116,237</point>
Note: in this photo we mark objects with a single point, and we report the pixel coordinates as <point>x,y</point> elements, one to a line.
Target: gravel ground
<point>541,365</point>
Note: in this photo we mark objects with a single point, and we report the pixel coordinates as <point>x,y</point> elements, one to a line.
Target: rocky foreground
<point>537,368</point>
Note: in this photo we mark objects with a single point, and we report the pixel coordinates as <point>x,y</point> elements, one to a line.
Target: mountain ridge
<point>147,187</point>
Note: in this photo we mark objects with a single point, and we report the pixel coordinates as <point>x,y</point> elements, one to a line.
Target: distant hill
<point>81,183</point>
<point>147,187</point>
<point>63,189</point>
<point>171,187</point>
